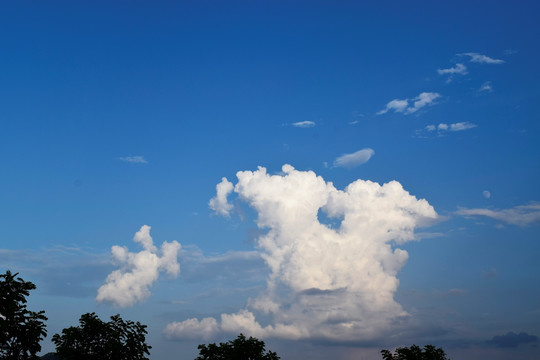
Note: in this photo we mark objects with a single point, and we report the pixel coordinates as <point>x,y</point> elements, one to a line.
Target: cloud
<point>409,106</point>
<point>325,282</point>
<point>219,203</point>
<point>355,159</point>
<point>482,59</point>
<point>512,340</point>
<point>459,69</point>
<point>486,87</point>
<point>486,194</point>
<point>519,215</point>
<point>442,129</point>
<point>130,284</point>
<point>460,126</point>
<point>304,124</point>
<point>134,159</point>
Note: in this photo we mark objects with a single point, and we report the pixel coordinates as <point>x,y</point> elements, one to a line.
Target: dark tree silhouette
<point>237,349</point>
<point>95,339</point>
<point>21,330</point>
<point>415,352</point>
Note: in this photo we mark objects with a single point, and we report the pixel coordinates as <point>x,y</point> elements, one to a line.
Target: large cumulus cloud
<point>334,282</point>
<point>130,284</point>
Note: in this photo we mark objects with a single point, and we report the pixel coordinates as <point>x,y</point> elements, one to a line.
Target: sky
<point>333,178</point>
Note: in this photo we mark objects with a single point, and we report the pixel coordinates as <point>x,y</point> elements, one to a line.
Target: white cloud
<point>304,124</point>
<point>486,194</point>
<point>460,126</point>
<point>355,159</point>
<point>482,59</point>
<point>409,106</point>
<point>459,69</point>
<point>130,284</point>
<point>219,203</point>
<point>134,159</point>
<point>325,282</point>
<point>486,87</point>
<point>519,215</point>
<point>442,129</point>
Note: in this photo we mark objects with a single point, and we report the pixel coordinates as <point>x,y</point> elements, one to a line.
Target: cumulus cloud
<point>304,124</point>
<point>355,159</point>
<point>130,284</point>
<point>519,215</point>
<point>334,282</point>
<point>442,129</point>
<point>134,159</point>
<point>219,203</point>
<point>459,69</point>
<point>410,106</point>
<point>482,59</point>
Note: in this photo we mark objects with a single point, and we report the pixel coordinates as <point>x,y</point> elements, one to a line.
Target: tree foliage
<point>415,352</point>
<point>237,349</point>
<point>96,339</point>
<point>21,330</point>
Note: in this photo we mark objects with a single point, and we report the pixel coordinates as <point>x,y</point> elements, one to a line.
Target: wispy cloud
<point>130,284</point>
<point>442,129</point>
<point>519,215</point>
<point>482,59</point>
<point>486,87</point>
<point>134,159</point>
<point>304,124</point>
<point>355,159</point>
<point>410,106</point>
<point>459,69</point>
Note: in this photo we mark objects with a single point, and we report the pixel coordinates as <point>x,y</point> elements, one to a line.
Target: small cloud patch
<point>134,159</point>
<point>304,124</point>
<point>355,159</point>
<point>481,59</point>
<point>410,106</point>
<point>442,129</point>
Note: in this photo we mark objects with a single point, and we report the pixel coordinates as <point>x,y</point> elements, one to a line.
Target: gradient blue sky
<point>116,115</point>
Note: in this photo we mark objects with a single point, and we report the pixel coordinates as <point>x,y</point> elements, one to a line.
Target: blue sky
<point>125,114</point>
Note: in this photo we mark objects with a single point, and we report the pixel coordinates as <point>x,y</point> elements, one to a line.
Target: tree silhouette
<point>237,349</point>
<point>21,330</point>
<point>95,339</point>
<point>415,352</point>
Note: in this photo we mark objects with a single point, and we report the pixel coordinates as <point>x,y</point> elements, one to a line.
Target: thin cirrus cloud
<point>131,283</point>
<point>481,59</point>
<point>410,106</point>
<point>459,69</point>
<point>134,159</point>
<point>357,158</point>
<point>486,87</point>
<point>521,215</point>
<point>304,124</point>
<point>325,282</point>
